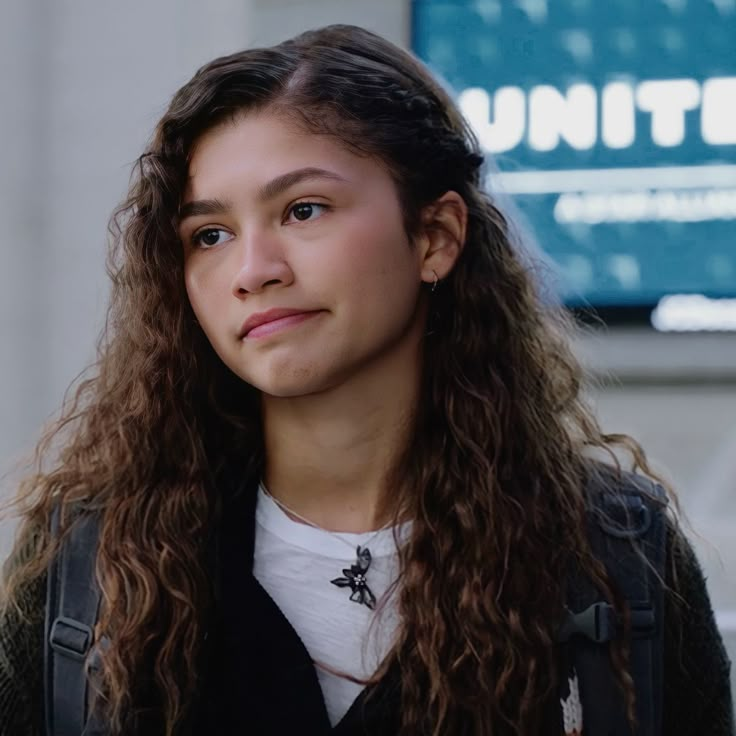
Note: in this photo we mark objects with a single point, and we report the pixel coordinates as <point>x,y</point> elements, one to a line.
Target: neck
<point>329,456</point>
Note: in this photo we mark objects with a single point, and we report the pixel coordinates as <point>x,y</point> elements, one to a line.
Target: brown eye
<point>304,211</point>
<point>209,237</point>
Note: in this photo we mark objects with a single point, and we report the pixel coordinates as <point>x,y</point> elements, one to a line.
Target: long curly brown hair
<point>494,470</point>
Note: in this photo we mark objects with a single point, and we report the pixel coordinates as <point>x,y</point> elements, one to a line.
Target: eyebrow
<point>268,191</point>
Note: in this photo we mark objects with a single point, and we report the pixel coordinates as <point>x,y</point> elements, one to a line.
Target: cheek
<point>376,275</point>
<point>192,286</point>
<point>202,288</point>
<point>378,250</point>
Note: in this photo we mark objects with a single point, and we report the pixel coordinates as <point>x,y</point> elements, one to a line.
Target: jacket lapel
<point>264,680</point>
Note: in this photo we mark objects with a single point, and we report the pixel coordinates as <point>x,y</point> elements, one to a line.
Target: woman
<point>334,447</point>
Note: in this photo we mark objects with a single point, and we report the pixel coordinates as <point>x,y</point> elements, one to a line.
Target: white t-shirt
<point>295,563</point>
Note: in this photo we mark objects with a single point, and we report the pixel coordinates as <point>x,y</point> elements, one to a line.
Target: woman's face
<point>274,218</point>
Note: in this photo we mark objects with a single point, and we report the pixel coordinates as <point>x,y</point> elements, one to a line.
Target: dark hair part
<point>493,474</point>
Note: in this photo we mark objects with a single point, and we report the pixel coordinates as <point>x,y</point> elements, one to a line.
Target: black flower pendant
<point>355,579</point>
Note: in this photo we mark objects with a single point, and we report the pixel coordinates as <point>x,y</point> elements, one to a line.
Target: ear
<point>442,235</point>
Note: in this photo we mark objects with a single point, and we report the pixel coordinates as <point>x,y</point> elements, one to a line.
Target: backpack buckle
<point>597,623</point>
<point>70,638</point>
<point>643,622</point>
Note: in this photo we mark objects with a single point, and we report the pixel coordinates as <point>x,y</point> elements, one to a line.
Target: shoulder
<point>21,629</point>
<point>21,658</point>
<point>23,623</point>
<point>695,665</point>
<point>625,511</point>
<point>607,483</point>
<point>625,507</point>
<point>697,689</point>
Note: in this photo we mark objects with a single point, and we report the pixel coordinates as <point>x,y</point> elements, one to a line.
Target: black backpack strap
<point>627,533</point>
<point>72,601</point>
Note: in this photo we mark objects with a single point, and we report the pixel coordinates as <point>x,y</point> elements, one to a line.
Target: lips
<point>272,315</point>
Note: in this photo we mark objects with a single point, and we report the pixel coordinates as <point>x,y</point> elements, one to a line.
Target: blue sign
<point>613,128</point>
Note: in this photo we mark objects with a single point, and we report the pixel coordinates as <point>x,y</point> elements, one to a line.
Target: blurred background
<point>613,130</point>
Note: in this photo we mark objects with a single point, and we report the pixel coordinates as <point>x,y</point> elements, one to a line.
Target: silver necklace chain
<point>354,577</point>
<point>306,521</point>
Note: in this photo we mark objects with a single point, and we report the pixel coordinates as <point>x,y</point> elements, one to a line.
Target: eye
<point>208,237</point>
<point>304,211</point>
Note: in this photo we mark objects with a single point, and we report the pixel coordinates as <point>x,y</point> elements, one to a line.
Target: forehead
<point>258,146</point>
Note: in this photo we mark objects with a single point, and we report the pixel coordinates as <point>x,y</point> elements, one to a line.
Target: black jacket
<point>260,679</point>
<point>278,691</point>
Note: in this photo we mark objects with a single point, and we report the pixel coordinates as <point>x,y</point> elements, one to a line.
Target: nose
<point>261,263</point>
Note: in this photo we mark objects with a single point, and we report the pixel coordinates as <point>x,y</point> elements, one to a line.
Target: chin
<point>292,385</point>
<point>289,391</point>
